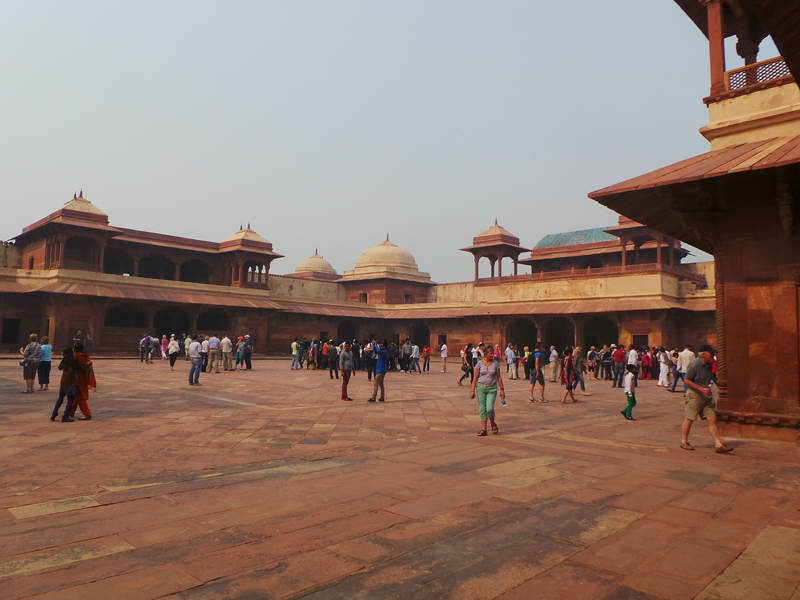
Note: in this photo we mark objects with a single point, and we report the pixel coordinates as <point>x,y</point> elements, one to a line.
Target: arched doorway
<point>214,320</point>
<point>560,333</point>
<point>522,332</point>
<point>195,271</point>
<point>600,330</point>
<point>171,320</point>
<point>117,262</point>
<point>125,315</point>
<point>421,335</point>
<point>346,332</point>
<point>157,266</point>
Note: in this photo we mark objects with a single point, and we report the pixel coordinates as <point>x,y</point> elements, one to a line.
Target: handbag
<point>464,367</point>
<point>23,363</point>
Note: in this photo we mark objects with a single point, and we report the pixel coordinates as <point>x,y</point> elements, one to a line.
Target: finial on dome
<point>248,224</point>
<point>81,194</point>
<point>387,237</point>
<point>241,227</point>
<point>495,221</point>
<point>316,250</point>
<point>75,195</point>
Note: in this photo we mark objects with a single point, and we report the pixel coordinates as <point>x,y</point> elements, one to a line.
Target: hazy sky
<point>330,123</point>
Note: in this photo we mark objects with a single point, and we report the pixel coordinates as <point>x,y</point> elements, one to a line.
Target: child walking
<point>630,392</point>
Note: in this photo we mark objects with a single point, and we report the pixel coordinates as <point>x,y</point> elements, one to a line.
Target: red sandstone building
<point>740,202</point>
<point>73,270</point>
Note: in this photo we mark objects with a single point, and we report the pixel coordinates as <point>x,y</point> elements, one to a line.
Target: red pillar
<point>477,258</point>
<point>716,45</point>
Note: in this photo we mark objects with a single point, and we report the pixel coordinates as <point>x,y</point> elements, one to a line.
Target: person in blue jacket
<point>381,358</point>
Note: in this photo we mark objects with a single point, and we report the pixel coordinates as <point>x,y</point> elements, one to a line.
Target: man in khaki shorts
<point>699,401</point>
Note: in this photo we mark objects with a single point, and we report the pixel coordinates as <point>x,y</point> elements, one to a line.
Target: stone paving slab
<point>264,484</point>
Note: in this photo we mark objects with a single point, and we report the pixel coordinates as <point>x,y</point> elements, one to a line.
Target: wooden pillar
<point>659,240</point>
<point>716,46</point>
<point>477,259</point>
<point>671,252</point>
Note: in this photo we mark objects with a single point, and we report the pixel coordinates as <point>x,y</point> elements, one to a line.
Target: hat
<point>240,338</point>
<point>706,348</point>
<point>247,336</point>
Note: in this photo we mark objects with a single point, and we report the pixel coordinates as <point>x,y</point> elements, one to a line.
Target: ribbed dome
<point>387,254</point>
<point>315,264</point>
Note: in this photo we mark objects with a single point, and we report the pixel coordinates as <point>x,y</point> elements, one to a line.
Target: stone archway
<point>522,332</point>
<point>599,330</point>
<point>560,333</point>
<point>421,335</point>
<point>346,332</point>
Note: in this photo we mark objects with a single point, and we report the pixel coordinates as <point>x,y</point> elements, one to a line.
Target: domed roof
<point>246,234</point>
<point>315,264</point>
<point>81,204</point>
<point>387,254</point>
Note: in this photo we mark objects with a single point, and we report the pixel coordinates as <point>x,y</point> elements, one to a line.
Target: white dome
<point>387,254</point>
<point>315,264</point>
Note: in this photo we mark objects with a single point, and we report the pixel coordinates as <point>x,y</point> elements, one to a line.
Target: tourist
<point>527,362</point>
<point>87,343</point>
<point>295,355</point>
<point>405,363</point>
<point>69,367</point>
<point>325,346</point>
<point>393,352</point>
<point>633,356</point>
<point>247,353</point>
<point>347,366</point>
<point>213,353</point>
<point>369,359</point>
<point>173,347</point>
<point>466,364</point>
<point>413,359</point>
<point>553,360</point>
<point>381,359</point>
<point>646,364</point>
<point>591,363</point>
<point>196,356</point>
<point>239,353</point>
<point>32,356</point>
<point>568,375</point>
<point>357,359</point>
<point>537,372</point>
<point>144,348</point>
<point>618,356</point>
<point>186,341</point>
<point>511,362</point>
<point>607,363</point>
<point>674,356</point>
<point>475,351</point>
<point>204,351</point>
<point>578,365</point>
<point>311,365</point>
<point>333,362</point>
<point>43,371</point>
<point>487,383</point>
<point>443,354</point>
<point>630,393</point>
<point>699,400</point>
<point>86,381</point>
<point>77,338</point>
<point>226,347</point>
<point>164,347</point>
<point>663,367</point>
<point>685,358</point>
<point>426,359</point>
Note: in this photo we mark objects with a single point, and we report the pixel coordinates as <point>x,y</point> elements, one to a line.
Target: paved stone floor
<point>264,484</point>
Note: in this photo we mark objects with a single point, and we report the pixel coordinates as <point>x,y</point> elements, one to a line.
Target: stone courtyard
<point>264,484</point>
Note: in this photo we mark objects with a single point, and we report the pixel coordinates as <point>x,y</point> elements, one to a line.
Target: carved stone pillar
<point>716,46</point>
<point>477,259</point>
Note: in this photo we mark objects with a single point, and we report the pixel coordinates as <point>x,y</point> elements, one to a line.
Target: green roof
<point>575,238</point>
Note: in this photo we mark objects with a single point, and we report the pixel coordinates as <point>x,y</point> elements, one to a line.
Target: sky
<point>328,124</point>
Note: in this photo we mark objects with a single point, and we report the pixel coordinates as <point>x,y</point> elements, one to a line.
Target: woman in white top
<point>172,350</point>
<point>486,383</point>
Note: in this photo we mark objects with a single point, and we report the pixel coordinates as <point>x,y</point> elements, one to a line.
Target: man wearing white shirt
<point>553,363</point>
<point>414,359</point>
<point>195,350</point>
<point>685,358</point>
<point>443,350</point>
<point>511,362</point>
<point>227,347</point>
<point>633,356</point>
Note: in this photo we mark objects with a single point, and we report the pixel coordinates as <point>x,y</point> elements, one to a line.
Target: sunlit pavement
<point>264,484</point>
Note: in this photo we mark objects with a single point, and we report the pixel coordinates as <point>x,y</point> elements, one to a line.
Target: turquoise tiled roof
<point>574,238</point>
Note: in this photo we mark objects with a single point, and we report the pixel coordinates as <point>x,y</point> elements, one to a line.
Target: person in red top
<point>325,356</point>
<point>426,359</point>
<point>86,380</point>
<point>618,356</point>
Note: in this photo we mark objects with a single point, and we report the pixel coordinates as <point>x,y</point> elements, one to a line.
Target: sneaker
<point>382,400</point>
<point>530,399</point>
<point>89,418</point>
<point>723,449</point>
<point>371,400</point>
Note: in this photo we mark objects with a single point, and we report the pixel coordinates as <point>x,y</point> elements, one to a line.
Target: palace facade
<point>73,270</point>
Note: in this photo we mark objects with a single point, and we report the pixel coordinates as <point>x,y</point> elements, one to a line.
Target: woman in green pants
<point>486,383</point>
